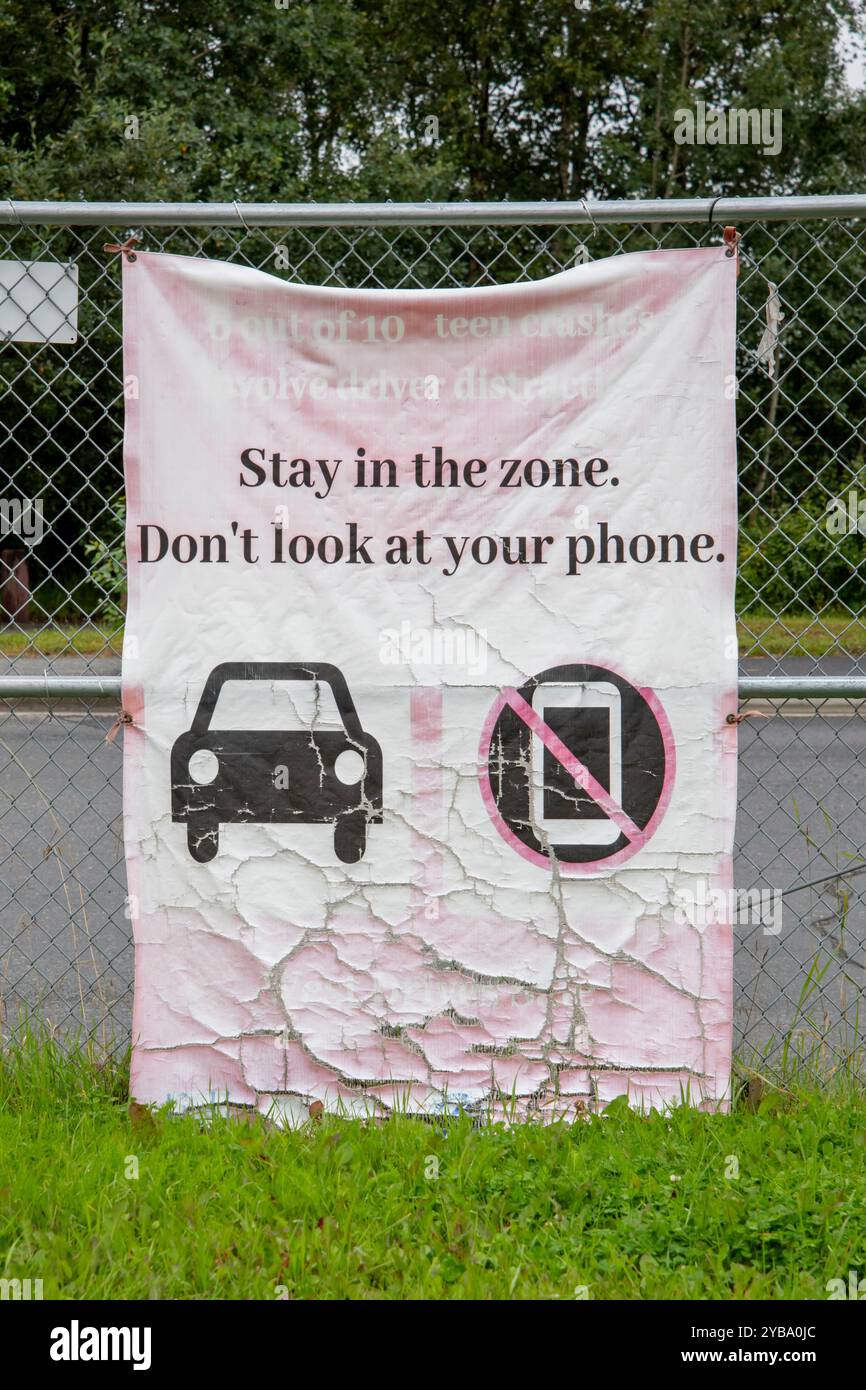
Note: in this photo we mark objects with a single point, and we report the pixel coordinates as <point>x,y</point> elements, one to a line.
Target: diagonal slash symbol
<point>573,766</point>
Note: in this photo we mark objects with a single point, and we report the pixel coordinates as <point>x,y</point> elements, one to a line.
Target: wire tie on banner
<point>236,207</point>
<point>585,205</point>
<point>730,235</point>
<point>581,255</point>
<point>731,238</point>
<point>122,718</point>
<point>123,248</point>
<point>747,714</point>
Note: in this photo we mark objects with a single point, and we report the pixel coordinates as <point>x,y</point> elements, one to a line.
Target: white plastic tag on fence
<point>38,302</point>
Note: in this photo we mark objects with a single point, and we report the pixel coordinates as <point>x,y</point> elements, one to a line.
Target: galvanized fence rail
<point>65,941</point>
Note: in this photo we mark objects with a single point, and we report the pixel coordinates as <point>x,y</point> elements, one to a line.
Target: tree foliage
<point>401,99</point>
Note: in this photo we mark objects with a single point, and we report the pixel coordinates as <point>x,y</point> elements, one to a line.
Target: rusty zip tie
<point>123,247</point>
<point>122,718</point>
<point>731,238</point>
<point>747,714</point>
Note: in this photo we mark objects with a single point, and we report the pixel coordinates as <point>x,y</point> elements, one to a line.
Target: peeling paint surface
<point>456,931</point>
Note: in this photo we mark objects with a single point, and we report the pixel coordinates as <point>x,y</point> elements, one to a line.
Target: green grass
<point>760,634</point>
<point>626,1206</point>
<point>801,634</point>
<point>84,638</point>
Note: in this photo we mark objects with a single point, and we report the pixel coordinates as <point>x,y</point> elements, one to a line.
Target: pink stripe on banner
<point>581,774</point>
<point>425,720</point>
<point>425,715</point>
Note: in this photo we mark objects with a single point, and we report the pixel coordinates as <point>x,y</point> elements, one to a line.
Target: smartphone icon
<point>588,720</point>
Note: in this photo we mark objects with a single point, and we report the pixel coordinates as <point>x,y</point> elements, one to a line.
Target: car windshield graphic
<point>280,706</point>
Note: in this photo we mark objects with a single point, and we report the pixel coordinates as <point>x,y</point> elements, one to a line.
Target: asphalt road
<point>65,941</point>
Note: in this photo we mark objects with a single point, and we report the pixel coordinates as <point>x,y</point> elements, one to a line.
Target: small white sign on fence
<point>38,302</point>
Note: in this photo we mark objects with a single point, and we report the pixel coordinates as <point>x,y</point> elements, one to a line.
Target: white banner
<point>429,785</point>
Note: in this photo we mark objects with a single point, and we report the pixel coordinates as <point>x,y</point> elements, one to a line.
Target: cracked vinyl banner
<point>429,787</point>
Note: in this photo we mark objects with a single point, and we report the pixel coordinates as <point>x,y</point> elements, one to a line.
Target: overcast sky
<point>855,59</point>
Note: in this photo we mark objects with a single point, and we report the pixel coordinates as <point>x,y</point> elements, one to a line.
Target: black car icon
<point>229,768</point>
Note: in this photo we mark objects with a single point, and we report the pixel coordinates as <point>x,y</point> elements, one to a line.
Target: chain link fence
<point>65,939</point>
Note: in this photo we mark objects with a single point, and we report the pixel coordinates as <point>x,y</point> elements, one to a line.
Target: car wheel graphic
<point>203,838</point>
<point>350,837</point>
